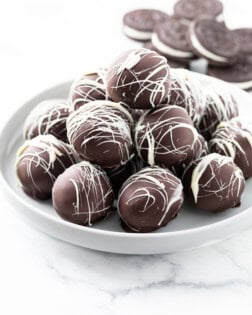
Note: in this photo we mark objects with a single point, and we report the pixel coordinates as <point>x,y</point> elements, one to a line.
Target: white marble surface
<point>46,42</point>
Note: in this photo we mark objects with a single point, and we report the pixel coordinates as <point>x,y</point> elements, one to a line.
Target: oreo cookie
<point>170,38</point>
<point>240,74</point>
<point>172,62</point>
<point>244,38</point>
<point>139,24</point>
<point>189,10</point>
<point>214,41</point>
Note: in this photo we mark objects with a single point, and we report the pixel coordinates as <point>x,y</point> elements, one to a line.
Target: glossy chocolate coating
<point>149,199</point>
<point>89,87</point>
<point>100,132</point>
<point>217,183</point>
<point>140,78</point>
<point>165,136</point>
<point>40,161</point>
<point>48,117</point>
<point>83,194</point>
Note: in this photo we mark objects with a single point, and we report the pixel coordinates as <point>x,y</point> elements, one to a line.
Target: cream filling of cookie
<point>163,48</point>
<point>136,34</point>
<point>202,50</point>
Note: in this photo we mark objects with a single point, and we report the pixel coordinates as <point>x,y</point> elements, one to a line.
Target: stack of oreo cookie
<point>196,30</point>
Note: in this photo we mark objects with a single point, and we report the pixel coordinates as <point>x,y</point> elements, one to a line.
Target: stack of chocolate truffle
<point>134,136</point>
<point>195,30</point>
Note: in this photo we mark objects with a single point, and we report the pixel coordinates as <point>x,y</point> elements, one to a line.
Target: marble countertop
<point>47,42</point>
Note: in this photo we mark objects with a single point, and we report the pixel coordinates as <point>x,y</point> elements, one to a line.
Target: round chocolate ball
<point>100,132</point>
<point>48,117</point>
<point>83,194</point>
<point>40,161</point>
<point>140,78</point>
<point>89,87</point>
<point>187,92</point>
<point>165,136</point>
<point>217,183</point>
<point>149,199</point>
<point>220,106</point>
<point>234,138</point>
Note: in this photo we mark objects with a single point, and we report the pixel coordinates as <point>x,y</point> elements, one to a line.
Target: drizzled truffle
<point>234,138</point>
<point>100,132</point>
<point>220,106</point>
<point>48,117</point>
<point>165,136</point>
<point>140,78</point>
<point>217,183</point>
<point>39,163</point>
<point>89,87</point>
<point>187,92</point>
<point>83,194</point>
<point>149,199</point>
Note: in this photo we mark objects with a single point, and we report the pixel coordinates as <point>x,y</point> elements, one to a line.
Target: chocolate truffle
<point>40,161</point>
<point>217,183</point>
<point>165,136</point>
<point>48,117</point>
<point>89,87</point>
<point>187,92</point>
<point>149,199</point>
<point>100,132</point>
<point>139,24</point>
<point>83,194</point>
<point>220,106</point>
<point>140,78</point>
<point>234,138</point>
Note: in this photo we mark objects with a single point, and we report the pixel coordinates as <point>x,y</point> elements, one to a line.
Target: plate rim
<point>59,221</point>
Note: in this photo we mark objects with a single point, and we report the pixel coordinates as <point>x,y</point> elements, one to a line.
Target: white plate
<point>190,229</point>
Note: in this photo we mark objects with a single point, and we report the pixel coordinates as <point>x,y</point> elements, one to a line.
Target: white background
<point>44,43</point>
